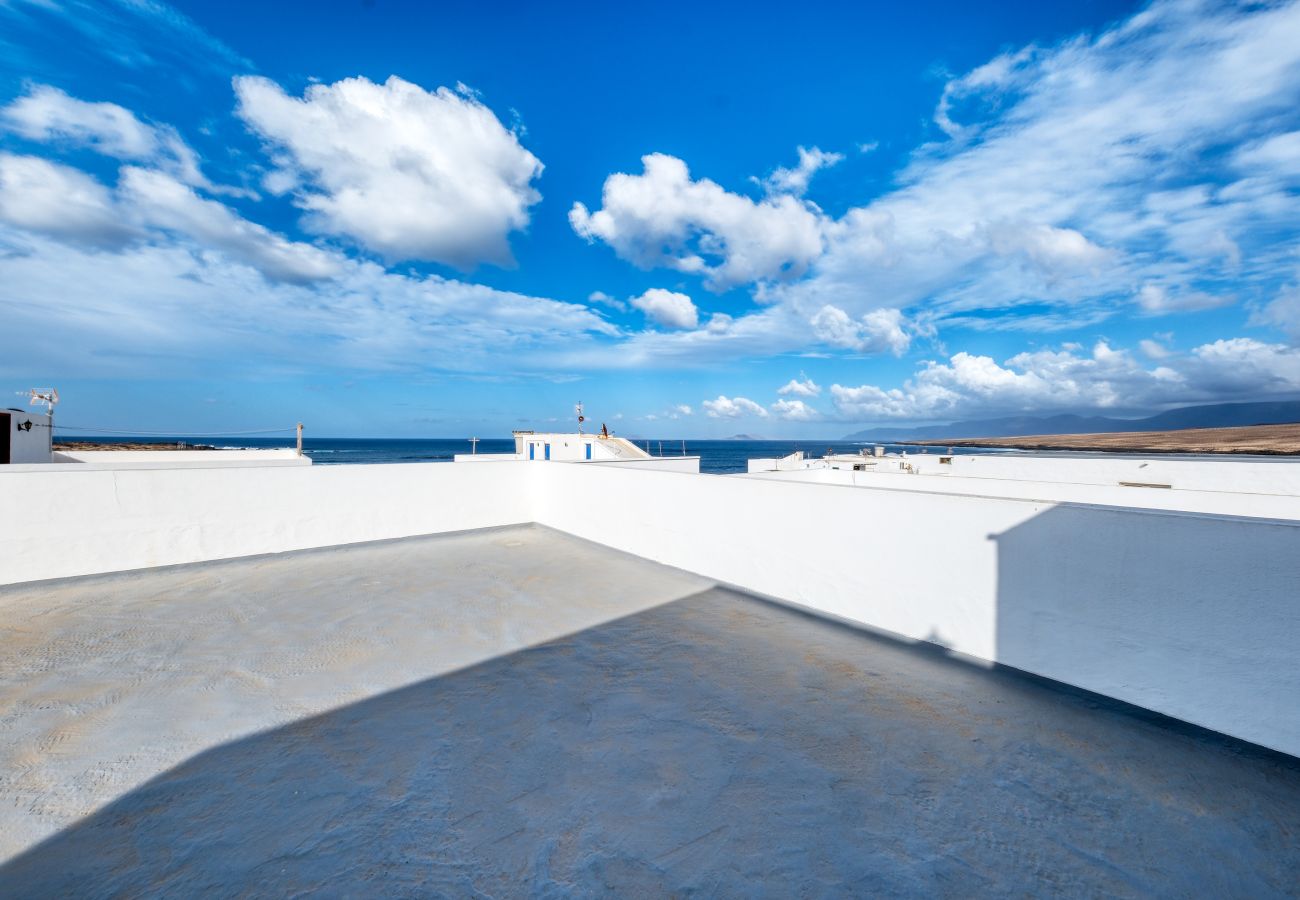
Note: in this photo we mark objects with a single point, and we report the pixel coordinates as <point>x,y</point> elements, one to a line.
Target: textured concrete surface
<point>109,680</point>
<point>714,744</point>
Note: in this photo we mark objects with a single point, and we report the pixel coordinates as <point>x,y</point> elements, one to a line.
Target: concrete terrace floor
<point>519,712</point>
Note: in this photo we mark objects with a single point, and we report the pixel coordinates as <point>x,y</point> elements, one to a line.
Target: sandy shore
<point>1275,440</point>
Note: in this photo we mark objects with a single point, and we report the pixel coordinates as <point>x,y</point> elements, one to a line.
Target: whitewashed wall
<point>1257,476</point>
<point>1194,616</point>
<point>67,521</point>
<point>159,459</point>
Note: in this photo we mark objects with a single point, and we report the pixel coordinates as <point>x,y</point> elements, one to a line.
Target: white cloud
<point>160,201</point>
<point>667,308</point>
<point>46,113</point>
<point>682,409</point>
<point>1079,173</point>
<point>794,411</point>
<point>970,385</point>
<point>405,172</point>
<point>606,300</point>
<point>719,323</point>
<point>795,181</point>
<point>1242,367</point>
<point>1282,312</point>
<point>664,218</point>
<point>1050,249</point>
<point>876,331</point>
<point>732,408</point>
<point>170,305</point>
<point>1273,156</point>
<point>802,386</point>
<point>1153,349</point>
<point>1161,152</point>
<point>65,203</point>
<point>995,74</point>
<point>1156,299</point>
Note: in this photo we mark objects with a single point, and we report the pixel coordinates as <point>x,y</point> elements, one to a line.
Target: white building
<point>24,437</point>
<point>576,447</point>
<point>1066,473</point>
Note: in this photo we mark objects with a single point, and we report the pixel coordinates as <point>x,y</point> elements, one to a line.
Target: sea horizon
<point>717,455</point>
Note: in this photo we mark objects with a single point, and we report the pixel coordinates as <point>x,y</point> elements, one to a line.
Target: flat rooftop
<point>517,710</point>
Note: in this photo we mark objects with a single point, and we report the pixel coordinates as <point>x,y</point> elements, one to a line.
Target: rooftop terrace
<point>477,712</point>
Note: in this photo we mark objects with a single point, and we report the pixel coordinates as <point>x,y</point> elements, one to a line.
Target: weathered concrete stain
<point>715,744</point>
<point>107,681</point>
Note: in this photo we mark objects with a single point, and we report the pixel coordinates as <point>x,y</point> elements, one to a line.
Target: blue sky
<point>415,219</point>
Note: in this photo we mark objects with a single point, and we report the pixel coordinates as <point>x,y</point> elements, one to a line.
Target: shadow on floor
<point>718,744</point>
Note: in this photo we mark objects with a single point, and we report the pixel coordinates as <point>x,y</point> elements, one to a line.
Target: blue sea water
<point>717,457</point>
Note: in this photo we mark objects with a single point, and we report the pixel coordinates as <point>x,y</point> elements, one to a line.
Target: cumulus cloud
<point>667,308</point>
<point>876,331</point>
<point>1053,380</point>
<point>795,181</point>
<point>682,409</point>
<point>803,386</point>
<point>794,411</point>
<point>732,408</point>
<point>664,218</point>
<point>405,172</point>
<point>48,114</point>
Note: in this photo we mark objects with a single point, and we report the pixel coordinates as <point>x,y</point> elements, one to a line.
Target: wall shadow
<point>716,744</point>
<point>1194,616</point>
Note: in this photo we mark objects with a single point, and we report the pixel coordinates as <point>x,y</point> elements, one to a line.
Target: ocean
<point>717,457</point>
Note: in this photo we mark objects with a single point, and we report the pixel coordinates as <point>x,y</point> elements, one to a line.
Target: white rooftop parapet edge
<point>169,459</point>
<point>1221,474</point>
<point>1183,602</point>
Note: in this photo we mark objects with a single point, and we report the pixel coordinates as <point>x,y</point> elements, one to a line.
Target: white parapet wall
<point>1252,475</point>
<point>74,520</point>
<point>1192,615</point>
<point>162,459</point>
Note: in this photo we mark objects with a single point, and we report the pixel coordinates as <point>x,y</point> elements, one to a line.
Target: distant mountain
<point>744,437</point>
<point>1217,415</point>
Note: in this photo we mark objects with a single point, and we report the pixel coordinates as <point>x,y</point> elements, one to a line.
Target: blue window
<point>589,451</point>
<point>548,451</point>
<point>532,451</point>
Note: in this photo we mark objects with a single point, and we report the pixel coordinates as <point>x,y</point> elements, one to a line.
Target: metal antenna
<point>581,418</point>
<point>47,396</point>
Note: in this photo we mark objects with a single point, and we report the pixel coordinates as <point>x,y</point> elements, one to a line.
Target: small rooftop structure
<point>580,447</point>
<point>25,437</point>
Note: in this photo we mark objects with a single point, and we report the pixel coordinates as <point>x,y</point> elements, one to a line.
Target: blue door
<point>589,451</point>
<point>532,451</point>
<point>548,451</point>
